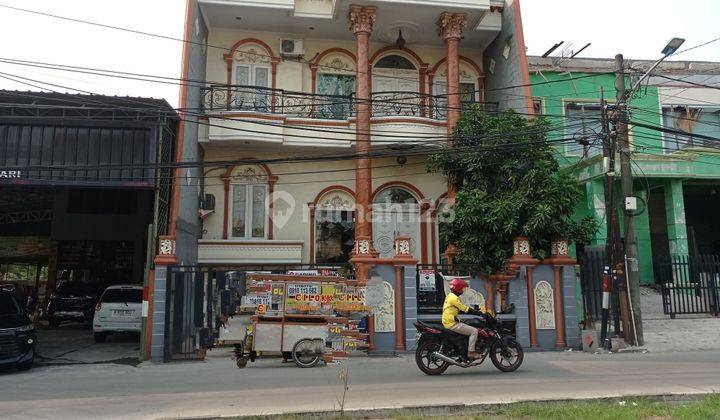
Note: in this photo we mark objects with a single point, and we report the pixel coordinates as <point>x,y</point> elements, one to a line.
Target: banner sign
<point>427,281</point>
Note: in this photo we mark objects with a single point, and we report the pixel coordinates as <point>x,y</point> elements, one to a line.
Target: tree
<point>508,184</point>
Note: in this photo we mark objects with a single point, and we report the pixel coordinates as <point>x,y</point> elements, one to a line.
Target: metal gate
<point>198,295</point>
<point>189,316</point>
<point>690,284</point>
<point>592,263</point>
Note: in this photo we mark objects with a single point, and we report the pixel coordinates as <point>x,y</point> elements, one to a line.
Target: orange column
<point>559,312</point>
<point>531,307</point>
<point>361,20</point>
<point>399,319</point>
<point>450,28</point>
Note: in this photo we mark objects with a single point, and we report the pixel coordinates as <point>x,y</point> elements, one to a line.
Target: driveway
<point>74,344</point>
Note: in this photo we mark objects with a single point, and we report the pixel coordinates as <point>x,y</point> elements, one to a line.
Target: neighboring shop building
<point>81,197</point>
<point>676,175</point>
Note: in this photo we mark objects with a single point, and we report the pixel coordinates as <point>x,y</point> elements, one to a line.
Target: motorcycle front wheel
<point>425,360</point>
<point>507,359</point>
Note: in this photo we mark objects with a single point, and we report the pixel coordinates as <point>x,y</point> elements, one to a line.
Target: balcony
<point>260,100</point>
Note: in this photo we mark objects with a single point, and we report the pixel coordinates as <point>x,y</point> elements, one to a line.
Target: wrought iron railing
<point>334,107</point>
<point>277,101</point>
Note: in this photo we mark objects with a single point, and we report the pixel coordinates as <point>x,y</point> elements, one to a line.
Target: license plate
<point>123,312</point>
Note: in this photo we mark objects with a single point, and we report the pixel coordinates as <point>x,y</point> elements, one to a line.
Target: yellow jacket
<point>451,308</point>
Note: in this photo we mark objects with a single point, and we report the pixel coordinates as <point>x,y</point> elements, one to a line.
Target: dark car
<point>72,302</point>
<point>17,334</point>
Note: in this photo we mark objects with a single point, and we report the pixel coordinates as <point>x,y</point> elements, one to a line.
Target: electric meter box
<point>631,203</point>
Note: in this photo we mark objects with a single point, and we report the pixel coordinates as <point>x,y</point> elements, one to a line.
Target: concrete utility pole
<point>631,253</point>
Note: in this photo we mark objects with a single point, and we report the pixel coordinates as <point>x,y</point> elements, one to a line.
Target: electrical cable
<point>248,130</point>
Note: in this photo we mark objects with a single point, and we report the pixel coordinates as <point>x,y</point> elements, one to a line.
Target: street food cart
<point>306,318</point>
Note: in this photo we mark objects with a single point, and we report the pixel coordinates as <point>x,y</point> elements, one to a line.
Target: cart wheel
<point>305,353</point>
<point>242,362</point>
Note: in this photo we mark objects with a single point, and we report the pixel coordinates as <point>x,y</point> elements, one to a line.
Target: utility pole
<point>632,270</point>
<point>613,250</point>
<point>609,181</point>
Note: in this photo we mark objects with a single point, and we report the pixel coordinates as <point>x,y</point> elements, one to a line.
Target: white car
<point>118,310</point>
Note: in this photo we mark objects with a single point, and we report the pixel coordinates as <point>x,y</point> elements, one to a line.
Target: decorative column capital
<point>451,25</point>
<point>361,18</point>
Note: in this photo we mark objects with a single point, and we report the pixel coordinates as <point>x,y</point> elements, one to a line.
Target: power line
<point>444,137</point>
<point>252,89</point>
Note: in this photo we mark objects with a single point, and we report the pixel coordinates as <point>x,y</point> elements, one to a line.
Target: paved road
<point>217,388</point>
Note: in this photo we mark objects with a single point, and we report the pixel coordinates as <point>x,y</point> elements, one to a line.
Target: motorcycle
<point>438,347</point>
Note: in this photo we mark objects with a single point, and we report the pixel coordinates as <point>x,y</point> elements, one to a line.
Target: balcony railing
<point>333,107</point>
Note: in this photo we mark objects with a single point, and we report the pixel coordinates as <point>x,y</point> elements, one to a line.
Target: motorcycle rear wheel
<point>507,361</point>
<point>426,362</point>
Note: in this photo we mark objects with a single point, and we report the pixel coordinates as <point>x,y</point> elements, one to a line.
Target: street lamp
<point>670,48</point>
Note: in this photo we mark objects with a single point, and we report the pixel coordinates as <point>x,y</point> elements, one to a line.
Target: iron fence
<point>334,107</point>
<point>592,264</point>
<point>197,296</point>
<point>189,318</point>
<point>430,285</point>
<point>690,284</point>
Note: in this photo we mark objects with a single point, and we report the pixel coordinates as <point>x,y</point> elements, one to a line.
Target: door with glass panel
<point>251,91</point>
<point>249,213</point>
<point>468,93</point>
<point>336,94</point>
<point>396,212</point>
<point>395,87</point>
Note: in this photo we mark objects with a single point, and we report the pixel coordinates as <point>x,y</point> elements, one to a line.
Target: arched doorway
<point>395,86</point>
<point>333,230</point>
<point>396,211</point>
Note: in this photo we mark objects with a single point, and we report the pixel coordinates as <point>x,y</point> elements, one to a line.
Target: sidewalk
<point>685,332</point>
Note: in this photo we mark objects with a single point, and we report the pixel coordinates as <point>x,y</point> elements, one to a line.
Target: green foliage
<point>509,184</point>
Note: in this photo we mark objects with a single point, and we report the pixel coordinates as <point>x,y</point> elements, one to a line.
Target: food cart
<point>306,318</point>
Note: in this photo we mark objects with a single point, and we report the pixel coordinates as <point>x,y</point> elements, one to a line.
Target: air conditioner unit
<point>291,47</point>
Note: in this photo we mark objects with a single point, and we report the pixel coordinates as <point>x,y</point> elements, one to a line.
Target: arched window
<point>395,195</point>
<point>248,203</point>
<point>336,78</point>
<point>251,78</point>
<point>396,62</point>
<point>334,227</point>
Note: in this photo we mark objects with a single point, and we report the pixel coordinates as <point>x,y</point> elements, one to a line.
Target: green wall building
<point>676,168</point>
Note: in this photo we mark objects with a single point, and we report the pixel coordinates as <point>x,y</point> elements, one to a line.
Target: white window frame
<point>248,186</point>
<point>251,67</point>
<point>566,147</point>
<point>442,81</point>
<point>666,148</point>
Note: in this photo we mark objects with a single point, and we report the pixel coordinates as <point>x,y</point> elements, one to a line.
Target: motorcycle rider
<point>452,307</point>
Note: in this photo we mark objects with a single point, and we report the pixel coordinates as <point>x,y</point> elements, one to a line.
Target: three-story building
<point>313,120</point>
<point>338,103</point>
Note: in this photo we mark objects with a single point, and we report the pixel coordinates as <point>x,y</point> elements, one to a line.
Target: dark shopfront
<point>81,197</point>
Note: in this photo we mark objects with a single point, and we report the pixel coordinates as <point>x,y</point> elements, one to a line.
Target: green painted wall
<point>650,157</point>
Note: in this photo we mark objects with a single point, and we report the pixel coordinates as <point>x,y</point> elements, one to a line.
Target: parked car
<point>119,310</point>
<point>72,302</point>
<point>17,334</point>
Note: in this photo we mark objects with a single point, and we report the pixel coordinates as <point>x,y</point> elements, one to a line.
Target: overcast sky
<point>643,30</point>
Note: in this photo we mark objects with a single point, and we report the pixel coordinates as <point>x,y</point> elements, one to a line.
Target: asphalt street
<point>216,387</point>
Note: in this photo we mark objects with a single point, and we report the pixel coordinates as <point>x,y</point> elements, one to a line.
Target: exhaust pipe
<point>449,360</point>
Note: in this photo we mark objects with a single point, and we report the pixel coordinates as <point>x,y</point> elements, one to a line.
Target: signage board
<point>427,281</point>
<point>10,174</point>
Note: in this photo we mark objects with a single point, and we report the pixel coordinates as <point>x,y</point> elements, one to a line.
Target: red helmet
<point>457,285</point>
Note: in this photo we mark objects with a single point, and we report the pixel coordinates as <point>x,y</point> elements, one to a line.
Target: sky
<point>643,30</point>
